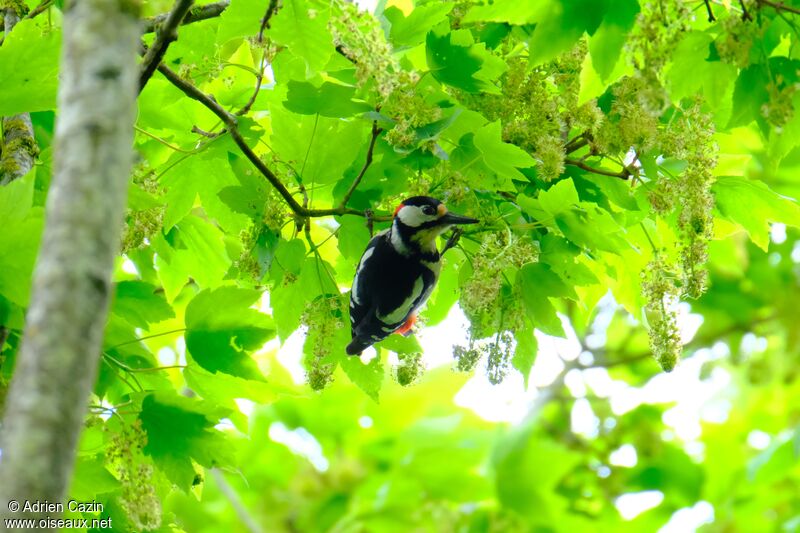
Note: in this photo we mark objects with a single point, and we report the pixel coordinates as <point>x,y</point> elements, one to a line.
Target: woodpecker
<point>398,271</point>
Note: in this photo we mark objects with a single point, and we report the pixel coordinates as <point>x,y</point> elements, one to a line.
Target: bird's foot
<point>453,240</point>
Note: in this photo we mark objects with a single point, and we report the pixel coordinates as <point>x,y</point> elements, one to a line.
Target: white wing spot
<point>354,291</point>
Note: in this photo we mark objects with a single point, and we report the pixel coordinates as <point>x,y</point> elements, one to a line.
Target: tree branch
<point>165,35</point>
<point>778,6</point>
<point>196,14</point>
<point>18,148</point>
<point>375,132</point>
<point>623,174</point>
<point>273,5</point>
<point>231,124</point>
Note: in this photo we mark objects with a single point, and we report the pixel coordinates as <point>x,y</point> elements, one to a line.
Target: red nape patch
<point>405,329</point>
<point>399,207</point>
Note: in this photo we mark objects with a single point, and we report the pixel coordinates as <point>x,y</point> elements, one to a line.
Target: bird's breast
<point>433,266</point>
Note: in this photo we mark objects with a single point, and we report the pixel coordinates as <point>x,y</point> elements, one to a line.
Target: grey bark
<point>60,350</point>
<point>18,150</point>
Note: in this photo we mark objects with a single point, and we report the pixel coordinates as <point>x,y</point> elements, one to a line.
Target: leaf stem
<point>139,339</point>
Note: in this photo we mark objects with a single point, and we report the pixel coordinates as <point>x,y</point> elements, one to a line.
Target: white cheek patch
<point>412,216</point>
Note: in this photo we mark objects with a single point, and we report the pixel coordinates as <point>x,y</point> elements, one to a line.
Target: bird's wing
<point>361,299</point>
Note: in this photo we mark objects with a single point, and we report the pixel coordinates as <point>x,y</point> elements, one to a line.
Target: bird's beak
<point>453,219</point>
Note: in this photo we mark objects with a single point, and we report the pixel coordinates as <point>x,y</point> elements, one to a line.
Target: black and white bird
<point>398,271</point>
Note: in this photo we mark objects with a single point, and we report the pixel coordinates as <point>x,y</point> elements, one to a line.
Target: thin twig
<point>231,124</point>
<point>375,132</point>
<point>273,5</point>
<point>153,336</point>
<point>623,174</point>
<point>711,17</point>
<point>165,35</point>
<point>209,134</point>
<point>196,14</point>
<point>745,13</point>
<point>576,143</point>
<point>259,80</point>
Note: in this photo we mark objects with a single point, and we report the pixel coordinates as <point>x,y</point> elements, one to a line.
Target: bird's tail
<point>356,346</point>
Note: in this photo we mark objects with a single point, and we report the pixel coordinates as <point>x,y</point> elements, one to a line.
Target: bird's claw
<point>453,240</point>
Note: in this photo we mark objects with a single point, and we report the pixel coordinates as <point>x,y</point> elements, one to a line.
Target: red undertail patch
<point>405,329</point>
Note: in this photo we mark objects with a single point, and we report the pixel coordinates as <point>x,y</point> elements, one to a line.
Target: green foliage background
<point>632,148</point>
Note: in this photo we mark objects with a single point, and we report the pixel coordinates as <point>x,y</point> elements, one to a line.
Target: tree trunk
<point>58,359</point>
<point>18,150</point>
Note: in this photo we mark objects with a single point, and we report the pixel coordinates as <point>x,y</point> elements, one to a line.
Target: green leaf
<point>562,257</point>
<point>400,344</point>
<point>29,69</point>
<point>91,477</point>
<point>193,248</point>
<point>445,294</point>
<point>503,158</point>
<point>560,24</point>
<point>179,431</point>
<point>749,94</point>
<point>304,142</point>
<point>291,255</point>
<point>454,59</point>
<point>16,200</point>
<point>593,228</point>
<point>367,377</point>
<point>528,470</point>
<point>605,46</point>
<point>559,198</point>
<point>411,30</point>
<point>140,304</point>
<point>771,465</point>
<point>753,205</point>
<point>19,244</point>
<point>222,330</point>
<point>329,100</point>
<point>250,196</point>
<point>287,308</point>
<point>518,13</point>
<point>525,352</point>
<point>203,176</point>
<point>352,237</point>
<point>240,19</point>
<point>223,390</point>
<point>537,284</point>
<point>306,37</point>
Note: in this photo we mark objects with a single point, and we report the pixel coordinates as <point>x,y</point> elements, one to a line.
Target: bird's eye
<point>428,210</point>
